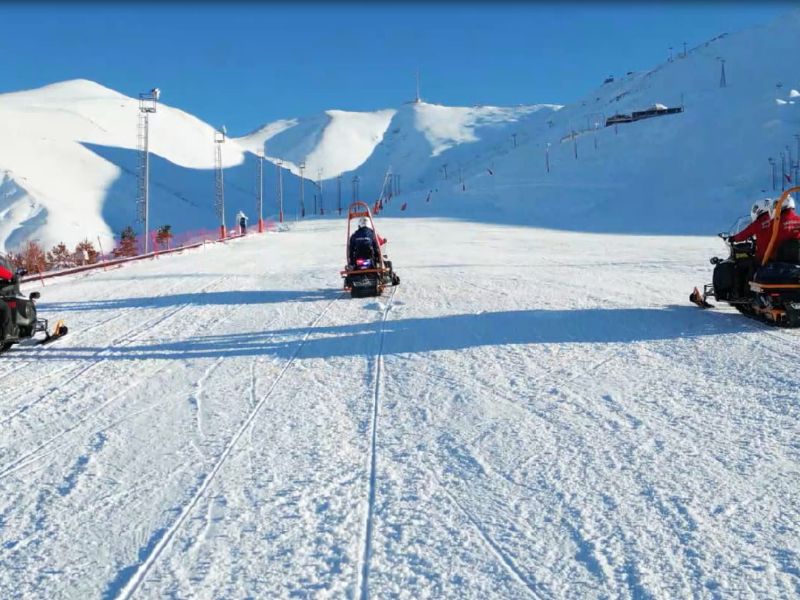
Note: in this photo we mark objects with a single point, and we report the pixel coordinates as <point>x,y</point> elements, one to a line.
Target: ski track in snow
<point>129,337</point>
<point>519,419</point>
<point>377,367</point>
<point>147,563</point>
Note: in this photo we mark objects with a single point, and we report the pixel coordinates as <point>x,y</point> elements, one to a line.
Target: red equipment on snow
<point>369,273</point>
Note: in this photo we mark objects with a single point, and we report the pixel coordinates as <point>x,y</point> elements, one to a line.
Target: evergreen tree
<point>127,243</point>
<point>60,257</point>
<point>85,254</point>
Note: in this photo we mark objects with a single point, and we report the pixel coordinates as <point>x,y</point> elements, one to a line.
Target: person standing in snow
<point>241,219</point>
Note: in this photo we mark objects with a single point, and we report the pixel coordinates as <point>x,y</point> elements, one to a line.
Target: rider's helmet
<point>788,203</point>
<point>362,222</point>
<point>760,207</point>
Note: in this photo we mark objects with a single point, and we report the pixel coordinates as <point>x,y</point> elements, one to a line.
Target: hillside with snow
<point>69,161</point>
<point>68,167</point>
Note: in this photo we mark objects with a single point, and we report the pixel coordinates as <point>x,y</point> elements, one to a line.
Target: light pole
<point>723,82</point>
<point>514,137</point>
<point>147,105</point>
<point>797,156</point>
<point>339,193</point>
<point>547,157</point>
<point>280,190</point>
<point>319,185</point>
<point>355,188</point>
<point>260,206</point>
<point>772,171</point>
<point>783,171</point>
<point>302,190</point>
<point>219,181</point>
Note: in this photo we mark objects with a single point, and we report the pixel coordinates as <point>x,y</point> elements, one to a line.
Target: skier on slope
<point>364,236</point>
<point>241,219</point>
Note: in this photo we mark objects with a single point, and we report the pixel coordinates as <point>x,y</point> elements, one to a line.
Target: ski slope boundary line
<point>363,570</point>
<point>144,567</point>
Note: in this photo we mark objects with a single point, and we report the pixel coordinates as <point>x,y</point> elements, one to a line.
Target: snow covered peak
<point>329,144</point>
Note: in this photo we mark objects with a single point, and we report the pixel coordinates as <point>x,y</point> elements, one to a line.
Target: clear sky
<point>246,64</point>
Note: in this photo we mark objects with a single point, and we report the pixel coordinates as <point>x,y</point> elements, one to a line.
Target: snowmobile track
<point>126,338</point>
<point>147,562</point>
<point>363,570</point>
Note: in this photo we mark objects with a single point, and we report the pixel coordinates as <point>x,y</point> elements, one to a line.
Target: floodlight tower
<point>355,188</point>
<point>219,181</point>
<point>260,202</point>
<point>147,104</point>
<point>319,185</point>
<point>302,190</point>
<point>280,190</point>
<point>339,193</point>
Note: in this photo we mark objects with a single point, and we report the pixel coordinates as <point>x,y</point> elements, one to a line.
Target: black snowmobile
<point>18,316</point>
<point>769,292</point>
<point>368,271</point>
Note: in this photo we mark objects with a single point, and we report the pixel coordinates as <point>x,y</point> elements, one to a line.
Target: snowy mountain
<point>686,173</point>
<point>68,161</point>
<point>68,167</point>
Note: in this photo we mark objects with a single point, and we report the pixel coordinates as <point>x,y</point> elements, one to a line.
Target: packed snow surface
<point>531,413</point>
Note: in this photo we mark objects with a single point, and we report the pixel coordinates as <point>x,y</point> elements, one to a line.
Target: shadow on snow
<point>431,334</point>
<point>228,298</point>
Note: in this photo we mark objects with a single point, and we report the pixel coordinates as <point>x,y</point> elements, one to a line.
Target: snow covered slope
<point>68,166</point>
<point>523,417</point>
<point>692,172</point>
<point>329,144</point>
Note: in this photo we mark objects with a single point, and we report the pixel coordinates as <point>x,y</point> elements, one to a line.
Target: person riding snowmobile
<point>789,229</point>
<point>9,286</point>
<point>364,236</point>
<point>759,227</point>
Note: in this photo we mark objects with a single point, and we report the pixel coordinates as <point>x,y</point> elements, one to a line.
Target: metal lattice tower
<point>339,193</point>
<point>219,179</point>
<point>302,190</point>
<point>147,105</point>
<point>319,186</point>
<point>280,191</point>
<point>260,196</point>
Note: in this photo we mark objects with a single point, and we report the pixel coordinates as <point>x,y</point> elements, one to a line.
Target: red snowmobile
<point>770,292</point>
<point>21,312</point>
<point>368,270</point>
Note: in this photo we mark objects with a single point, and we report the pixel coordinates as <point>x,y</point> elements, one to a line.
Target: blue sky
<point>250,63</point>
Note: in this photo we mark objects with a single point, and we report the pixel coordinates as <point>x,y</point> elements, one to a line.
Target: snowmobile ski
<point>697,298</point>
<point>59,331</point>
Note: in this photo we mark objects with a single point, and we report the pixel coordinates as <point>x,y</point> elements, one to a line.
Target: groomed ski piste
<point>530,414</point>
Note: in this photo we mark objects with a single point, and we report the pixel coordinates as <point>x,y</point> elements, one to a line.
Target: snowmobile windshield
<point>739,224</point>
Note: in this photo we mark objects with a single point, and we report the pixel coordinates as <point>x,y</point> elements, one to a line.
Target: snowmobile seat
<point>776,273</point>
<point>362,248</point>
<point>788,252</point>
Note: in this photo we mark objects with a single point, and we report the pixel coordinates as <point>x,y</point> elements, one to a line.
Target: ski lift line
<point>137,578</point>
<point>363,572</point>
<point>776,223</point>
<point>126,339</point>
